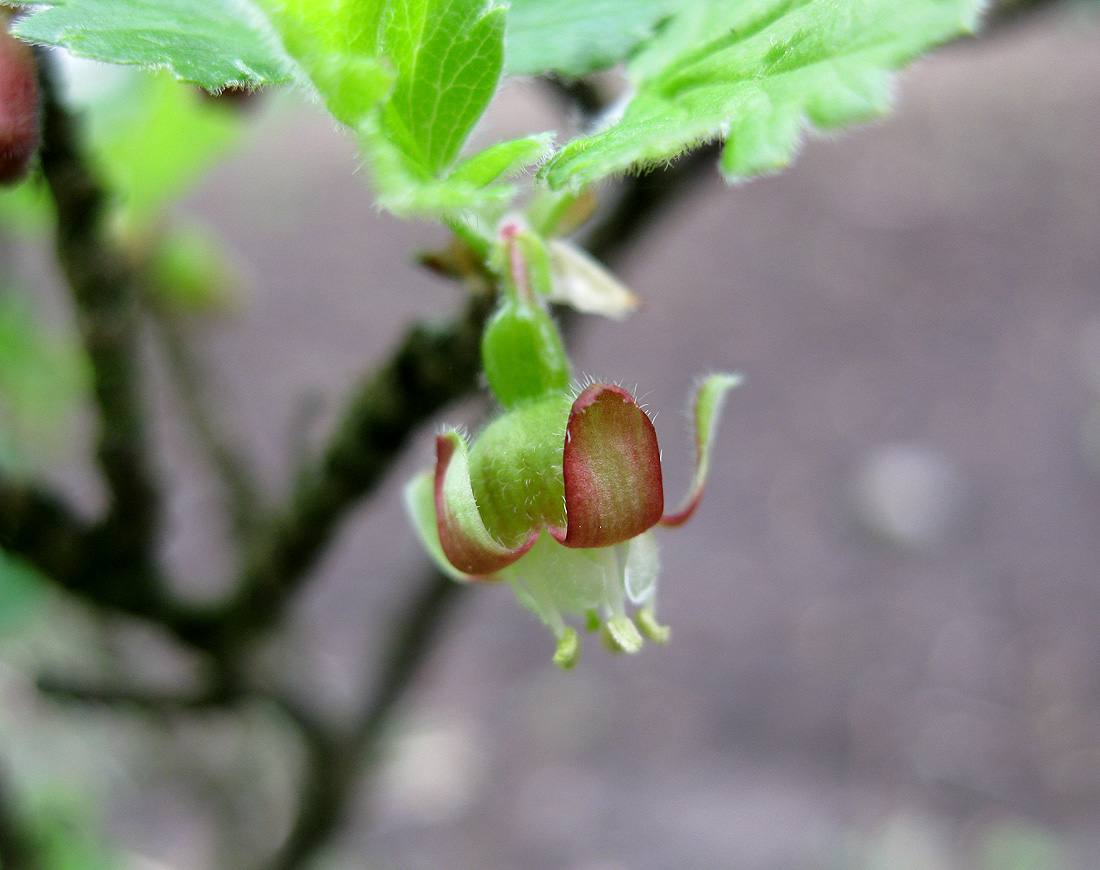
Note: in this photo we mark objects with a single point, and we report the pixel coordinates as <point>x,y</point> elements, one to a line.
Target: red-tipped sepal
<point>612,468</point>
<point>708,403</point>
<point>19,121</point>
<point>468,545</point>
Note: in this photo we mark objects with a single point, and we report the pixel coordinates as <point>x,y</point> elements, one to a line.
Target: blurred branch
<point>17,847</point>
<point>336,764</point>
<point>101,283</point>
<point>233,472</point>
<point>63,688</point>
<point>431,367</point>
<point>40,527</point>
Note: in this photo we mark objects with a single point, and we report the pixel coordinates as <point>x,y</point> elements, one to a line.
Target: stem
<point>17,848</point>
<point>101,283</point>
<point>335,766</point>
<point>431,368</point>
<point>233,472</point>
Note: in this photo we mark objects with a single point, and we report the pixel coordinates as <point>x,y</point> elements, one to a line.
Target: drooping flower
<point>557,497</point>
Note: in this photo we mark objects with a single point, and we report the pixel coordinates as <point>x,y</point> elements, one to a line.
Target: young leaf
<point>448,56</point>
<point>212,43</point>
<point>576,37</point>
<point>336,43</point>
<point>757,74</point>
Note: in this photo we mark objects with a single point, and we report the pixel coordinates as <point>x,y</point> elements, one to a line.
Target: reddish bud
<point>19,118</point>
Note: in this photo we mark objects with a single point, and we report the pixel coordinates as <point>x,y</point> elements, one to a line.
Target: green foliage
<point>577,37</point>
<point>154,139</point>
<point>336,45</point>
<point>412,77</point>
<point>41,380</point>
<point>448,55</point>
<point>757,74</point>
<point>22,591</point>
<point>209,43</point>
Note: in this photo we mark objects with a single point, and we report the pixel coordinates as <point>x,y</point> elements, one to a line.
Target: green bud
<point>522,353</point>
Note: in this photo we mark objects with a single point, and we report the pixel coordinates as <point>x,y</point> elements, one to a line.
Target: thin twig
<point>159,701</point>
<point>241,489</point>
<point>431,367</point>
<point>337,764</point>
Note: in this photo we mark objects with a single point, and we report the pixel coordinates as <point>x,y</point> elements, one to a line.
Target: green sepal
<point>516,469</point>
<point>466,541</point>
<point>420,506</point>
<point>709,397</point>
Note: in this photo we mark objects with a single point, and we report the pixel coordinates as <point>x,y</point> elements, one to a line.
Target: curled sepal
<point>583,283</point>
<point>420,505</point>
<point>612,470</point>
<point>708,402</point>
<point>465,541</point>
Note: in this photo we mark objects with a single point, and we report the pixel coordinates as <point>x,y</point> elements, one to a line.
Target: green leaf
<point>26,209</point>
<point>156,138</point>
<point>501,159</point>
<point>336,43</point>
<point>22,592</point>
<point>41,380</point>
<point>403,189</point>
<point>576,37</point>
<point>212,43</point>
<point>448,56</point>
<point>758,74</point>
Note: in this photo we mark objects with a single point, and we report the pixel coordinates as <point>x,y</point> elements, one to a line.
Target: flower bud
<point>522,353</point>
<point>19,131</point>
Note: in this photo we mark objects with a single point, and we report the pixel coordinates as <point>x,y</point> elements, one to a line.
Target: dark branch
<point>102,288</point>
<point>40,528</point>
<point>18,851</point>
<point>157,701</point>
<point>336,764</point>
<point>431,368</point>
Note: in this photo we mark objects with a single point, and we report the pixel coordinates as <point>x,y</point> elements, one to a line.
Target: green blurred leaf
<point>758,74</point>
<point>190,271</point>
<point>154,139</point>
<point>25,209</point>
<point>42,379</point>
<point>22,592</point>
<point>576,37</point>
<point>212,43</point>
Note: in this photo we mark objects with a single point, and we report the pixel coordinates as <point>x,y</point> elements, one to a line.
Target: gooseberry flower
<point>557,497</point>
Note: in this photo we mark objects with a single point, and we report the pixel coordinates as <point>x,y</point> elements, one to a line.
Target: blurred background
<point>885,617</point>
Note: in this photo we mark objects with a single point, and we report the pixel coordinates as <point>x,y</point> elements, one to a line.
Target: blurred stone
<point>912,495</point>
